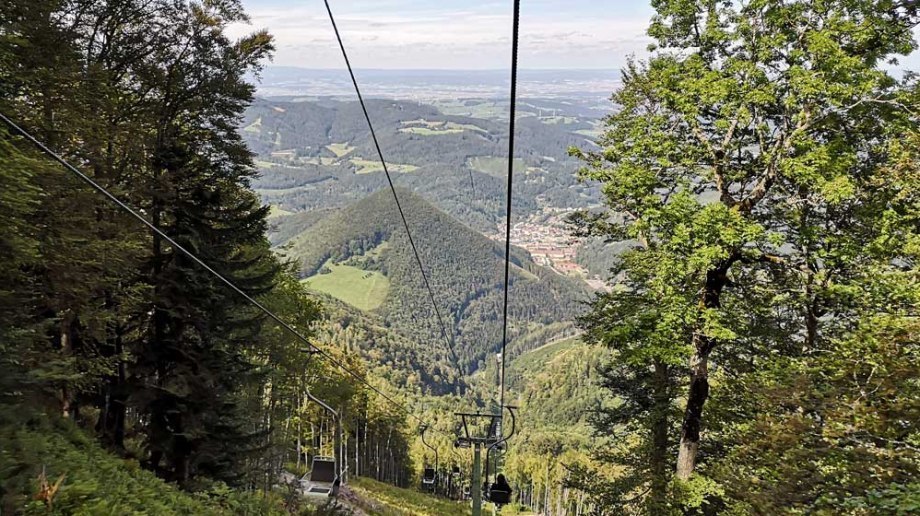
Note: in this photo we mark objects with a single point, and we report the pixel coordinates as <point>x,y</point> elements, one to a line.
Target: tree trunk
<point>716,279</point>
<point>660,426</point>
<point>693,415</point>
<point>66,336</point>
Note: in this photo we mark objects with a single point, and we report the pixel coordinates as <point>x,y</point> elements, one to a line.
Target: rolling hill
<point>464,267</point>
<point>319,154</point>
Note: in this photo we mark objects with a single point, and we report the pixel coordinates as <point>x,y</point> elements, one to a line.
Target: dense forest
<point>467,285</point>
<point>766,341</point>
<point>112,332</point>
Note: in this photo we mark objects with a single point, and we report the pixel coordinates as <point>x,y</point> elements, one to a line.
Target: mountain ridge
<point>466,285</point>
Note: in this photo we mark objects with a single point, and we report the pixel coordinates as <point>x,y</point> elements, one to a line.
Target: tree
<point>735,152</point>
<point>190,371</point>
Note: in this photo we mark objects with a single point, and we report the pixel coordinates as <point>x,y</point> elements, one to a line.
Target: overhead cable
<point>514,63</point>
<point>99,188</point>
<point>448,337</point>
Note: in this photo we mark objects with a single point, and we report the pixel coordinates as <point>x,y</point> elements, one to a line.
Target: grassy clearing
<point>536,359</point>
<point>379,499</point>
<point>495,166</point>
<point>276,211</point>
<point>340,149</point>
<point>484,109</point>
<point>591,133</point>
<point>255,127</point>
<point>366,166</point>
<point>424,131</point>
<point>553,120</point>
<point>427,127</point>
<point>362,289</point>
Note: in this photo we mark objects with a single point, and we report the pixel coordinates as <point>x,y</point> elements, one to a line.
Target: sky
<point>453,34</point>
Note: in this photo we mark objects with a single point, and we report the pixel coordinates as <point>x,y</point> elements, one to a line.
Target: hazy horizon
<point>452,34</point>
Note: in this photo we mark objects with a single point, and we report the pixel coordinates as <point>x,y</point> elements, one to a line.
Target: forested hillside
<point>118,351</point>
<point>713,294</point>
<point>463,266</point>
<point>318,153</point>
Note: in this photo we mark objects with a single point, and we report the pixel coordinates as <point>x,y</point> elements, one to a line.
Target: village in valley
<point>551,244</point>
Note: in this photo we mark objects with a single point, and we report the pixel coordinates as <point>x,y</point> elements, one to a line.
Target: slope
<point>318,154</point>
<point>464,267</point>
<point>94,481</point>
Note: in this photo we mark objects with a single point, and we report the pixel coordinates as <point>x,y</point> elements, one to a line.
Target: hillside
<point>318,154</point>
<point>94,481</point>
<point>465,270</point>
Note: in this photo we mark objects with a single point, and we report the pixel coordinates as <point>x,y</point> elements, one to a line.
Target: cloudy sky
<point>453,34</point>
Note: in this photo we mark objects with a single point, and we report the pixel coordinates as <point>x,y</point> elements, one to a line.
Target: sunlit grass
<point>362,289</point>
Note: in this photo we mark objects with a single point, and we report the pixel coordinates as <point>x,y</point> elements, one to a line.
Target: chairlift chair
<point>499,496</point>
<point>429,478</point>
<point>321,480</point>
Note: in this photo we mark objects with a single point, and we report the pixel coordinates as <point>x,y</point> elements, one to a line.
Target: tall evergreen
<point>191,368</point>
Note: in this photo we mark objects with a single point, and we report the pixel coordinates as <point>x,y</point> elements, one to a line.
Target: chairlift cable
<point>448,337</point>
<point>514,64</point>
<point>121,204</point>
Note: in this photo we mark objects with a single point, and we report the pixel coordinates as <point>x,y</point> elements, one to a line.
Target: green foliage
<point>96,482</point>
<point>466,285</point>
<point>377,498</point>
<point>745,167</point>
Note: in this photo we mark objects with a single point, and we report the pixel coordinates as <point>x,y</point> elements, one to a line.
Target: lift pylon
<point>467,440</point>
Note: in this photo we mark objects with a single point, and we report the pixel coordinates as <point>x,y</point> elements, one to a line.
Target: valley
<point>335,219</point>
<point>681,281</point>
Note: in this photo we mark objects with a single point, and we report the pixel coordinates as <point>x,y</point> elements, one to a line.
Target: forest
<point>751,201</point>
<point>468,283</point>
<point>110,330</point>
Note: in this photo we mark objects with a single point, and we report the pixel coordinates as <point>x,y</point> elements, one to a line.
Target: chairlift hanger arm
<point>513,429</point>
<point>322,403</point>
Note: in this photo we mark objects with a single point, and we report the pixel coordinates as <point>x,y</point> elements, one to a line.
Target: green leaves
<point>764,163</point>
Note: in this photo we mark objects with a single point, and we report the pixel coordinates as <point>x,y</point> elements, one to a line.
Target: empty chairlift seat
<point>321,479</point>
<point>428,478</point>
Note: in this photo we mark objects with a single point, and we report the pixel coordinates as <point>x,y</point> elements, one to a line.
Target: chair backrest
<point>323,469</point>
<point>429,475</point>
<point>499,495</point>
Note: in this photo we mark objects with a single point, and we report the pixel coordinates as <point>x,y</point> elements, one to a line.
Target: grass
<point>494,166</point>
<point>379,499</point>
<point>552,120</point>
<point>340,149</point>
<point>366,166</point>
<point>95,481</point>
<point>435,127</point>
<point>536,359</point>
<point>424,131</point>
<point>255,127</point>
<point>485,109</point>
<point>276,211</point>
<point>591,133</point>
<point>362,289</point>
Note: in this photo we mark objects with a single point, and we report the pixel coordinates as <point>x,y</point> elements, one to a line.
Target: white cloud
<point>387,36</point>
